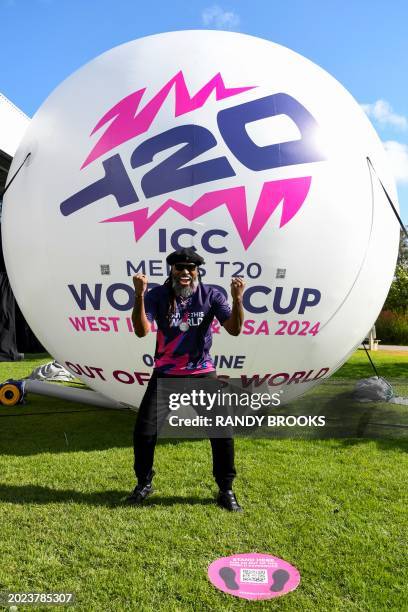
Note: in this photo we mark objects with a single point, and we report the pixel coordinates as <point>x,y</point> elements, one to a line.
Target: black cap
<point>185,255</point>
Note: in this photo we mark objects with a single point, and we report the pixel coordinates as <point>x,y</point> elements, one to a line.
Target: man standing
<point>183,309</point>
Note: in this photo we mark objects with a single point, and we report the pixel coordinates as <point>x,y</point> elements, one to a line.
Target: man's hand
<point>233,325</point>
<point>140,283</point>
<point>140,323</point>
<point>237,288</point>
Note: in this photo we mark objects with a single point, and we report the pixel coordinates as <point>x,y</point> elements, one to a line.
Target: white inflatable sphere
<point>232,144</point>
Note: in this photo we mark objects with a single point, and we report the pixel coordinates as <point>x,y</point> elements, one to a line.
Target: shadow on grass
<point>31,494</point>
<point>382,444</point>
<point>48,425</point>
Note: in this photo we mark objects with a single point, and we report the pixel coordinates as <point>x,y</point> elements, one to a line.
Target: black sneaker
<point>139,494</point>
<point>227,500</point>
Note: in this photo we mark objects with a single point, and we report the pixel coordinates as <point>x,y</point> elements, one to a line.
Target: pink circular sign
<point>253,576</point>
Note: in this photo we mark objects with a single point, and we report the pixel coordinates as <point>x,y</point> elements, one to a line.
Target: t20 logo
<point>174,174</point>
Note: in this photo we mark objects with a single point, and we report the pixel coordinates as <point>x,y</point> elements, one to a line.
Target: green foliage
<point>392,327</point>
<point>403,249</point>
<point>397,299</point>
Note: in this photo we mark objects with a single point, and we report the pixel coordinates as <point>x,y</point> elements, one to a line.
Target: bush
<point>392,327</point>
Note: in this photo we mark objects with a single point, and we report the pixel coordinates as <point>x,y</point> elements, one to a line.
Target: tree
<point>403,249</point>
<point>397,299</point>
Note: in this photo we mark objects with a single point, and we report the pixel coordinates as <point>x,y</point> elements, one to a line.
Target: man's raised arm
<point>233,325</point>
<point>140,322</point>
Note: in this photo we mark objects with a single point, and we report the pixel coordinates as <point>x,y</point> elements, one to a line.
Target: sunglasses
<point>185,266</point>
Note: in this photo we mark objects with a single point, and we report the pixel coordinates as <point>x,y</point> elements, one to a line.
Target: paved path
<point>390,347</point>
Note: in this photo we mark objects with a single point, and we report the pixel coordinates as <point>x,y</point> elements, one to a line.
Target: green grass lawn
<point>334,508</point>
<point>390,364</point>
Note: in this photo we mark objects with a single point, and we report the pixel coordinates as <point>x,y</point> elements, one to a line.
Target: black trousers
<point>145,438</point>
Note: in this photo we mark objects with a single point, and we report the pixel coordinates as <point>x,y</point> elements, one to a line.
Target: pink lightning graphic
<point>177,363</point>
<point>124,123</point>
<point>290,192</point>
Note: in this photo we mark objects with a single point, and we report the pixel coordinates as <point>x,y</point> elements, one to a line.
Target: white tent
<point>13,123</point>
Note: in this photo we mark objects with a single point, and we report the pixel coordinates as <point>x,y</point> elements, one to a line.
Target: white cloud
<point>382,112</point>
<point>398,156</point>
<point>215,16</point>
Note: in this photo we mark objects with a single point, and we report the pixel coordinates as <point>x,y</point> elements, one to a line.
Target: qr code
<point>256,576</point>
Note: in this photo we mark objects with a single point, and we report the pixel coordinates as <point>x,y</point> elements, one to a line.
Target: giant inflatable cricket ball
<point>232,144</point>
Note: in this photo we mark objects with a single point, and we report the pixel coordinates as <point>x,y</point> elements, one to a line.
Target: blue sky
<point>363,44</point>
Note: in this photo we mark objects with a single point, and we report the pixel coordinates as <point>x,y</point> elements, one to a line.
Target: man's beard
<point>182,291</point>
